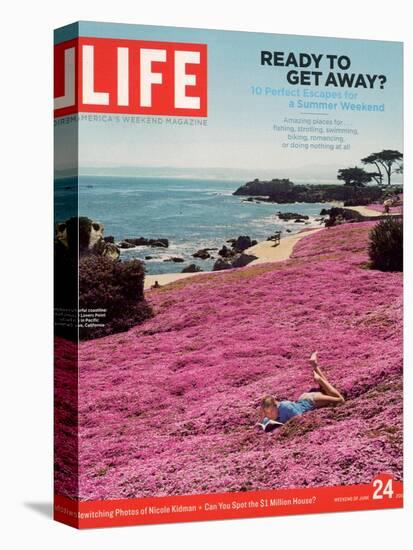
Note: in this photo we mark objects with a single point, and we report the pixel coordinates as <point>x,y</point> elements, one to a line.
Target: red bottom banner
<point>382,492</point>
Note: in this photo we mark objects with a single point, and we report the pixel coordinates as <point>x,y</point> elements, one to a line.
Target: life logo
<point>103,75</point>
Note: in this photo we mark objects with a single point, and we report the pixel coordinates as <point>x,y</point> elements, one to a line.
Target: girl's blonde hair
<point>268,401</point>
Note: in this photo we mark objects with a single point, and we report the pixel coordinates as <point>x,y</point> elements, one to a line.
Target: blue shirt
<point>288,409</point>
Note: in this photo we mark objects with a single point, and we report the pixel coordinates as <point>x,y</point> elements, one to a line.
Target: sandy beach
<point>166,278</point>
<point>368,212</point>
<point>265,251</point>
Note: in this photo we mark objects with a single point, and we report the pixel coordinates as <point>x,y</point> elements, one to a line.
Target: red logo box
<point>102,75</point>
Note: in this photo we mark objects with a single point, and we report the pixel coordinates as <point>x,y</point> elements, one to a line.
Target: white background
<point>26,271</point>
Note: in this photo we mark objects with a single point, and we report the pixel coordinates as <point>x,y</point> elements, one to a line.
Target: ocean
<point>191,213</point>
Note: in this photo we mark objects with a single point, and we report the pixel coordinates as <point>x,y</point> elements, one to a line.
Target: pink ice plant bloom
<point>169,407</point>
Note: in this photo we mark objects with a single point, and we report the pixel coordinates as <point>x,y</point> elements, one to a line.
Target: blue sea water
<point>191,213</point>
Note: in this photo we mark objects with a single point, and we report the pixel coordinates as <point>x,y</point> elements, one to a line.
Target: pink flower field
<point>169,407</point>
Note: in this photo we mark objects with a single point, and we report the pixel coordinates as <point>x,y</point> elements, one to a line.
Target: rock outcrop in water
<point>221,264</point>
<point>203,253</point>
<point>142,241</point>
<point>125,245</point>
<point>243,259</point>
<point>235,256</point>
<point>284,191</point>
<point>242,243</point>
<point>225,252</point>
<point>292,216</point>
<point>175,259</point>
<point>191,268</point>
<point>340,215</point>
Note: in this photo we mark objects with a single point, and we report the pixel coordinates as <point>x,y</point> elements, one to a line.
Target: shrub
<point>386,245</point>
<point>116,287</point>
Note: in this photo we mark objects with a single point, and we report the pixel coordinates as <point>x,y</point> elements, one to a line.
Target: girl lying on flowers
<point>282,411</point>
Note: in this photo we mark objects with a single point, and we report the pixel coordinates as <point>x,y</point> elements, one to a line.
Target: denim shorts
<point>305,405</point>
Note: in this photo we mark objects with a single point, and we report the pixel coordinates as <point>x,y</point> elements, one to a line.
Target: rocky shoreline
<point>229,256</point>
<point>284,191</point>
<point>142,241</point>
<point>232,254</point>
<point>271,250</point>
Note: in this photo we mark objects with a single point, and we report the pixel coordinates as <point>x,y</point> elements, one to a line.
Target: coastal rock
<point>110,250</point>
<point>138,241</point>
<point>288,216</point>
<point>143,241</point>
<point>85,236</point>
<point>109,239</point>
<point>102,248</point>
<point>242,243</point>
<point>266,188</point>
<point>161,243</point>
<point>221,264</point>
<point>233,261</point>
<point>284,191</point>
<point>125,245</point>
<point>337,216</point>
<point>203,254</point>
<point>238,246</point>
<point>243,260</point>
<point>174,259</point>
<point>191,268</point>
<point>226,252</point>
<point>148,257</point>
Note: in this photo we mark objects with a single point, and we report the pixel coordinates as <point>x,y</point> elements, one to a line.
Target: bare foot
<point>314,360</point>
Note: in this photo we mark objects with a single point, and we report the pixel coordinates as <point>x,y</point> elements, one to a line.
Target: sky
<point>239,139</point>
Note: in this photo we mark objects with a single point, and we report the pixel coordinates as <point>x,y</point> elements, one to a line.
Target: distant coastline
<point>284,191</point>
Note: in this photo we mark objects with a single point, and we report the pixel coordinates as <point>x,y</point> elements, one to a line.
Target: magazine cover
<point>228,274</point>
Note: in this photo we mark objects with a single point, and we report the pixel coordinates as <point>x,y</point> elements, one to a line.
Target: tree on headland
<point>356,177</point>
<point>387,162</point>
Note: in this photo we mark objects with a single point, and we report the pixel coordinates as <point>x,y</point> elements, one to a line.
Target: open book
<point>268,425</point>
